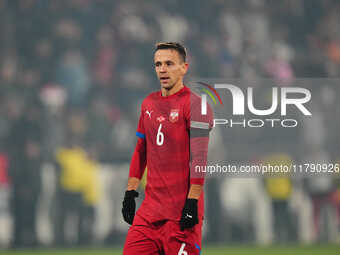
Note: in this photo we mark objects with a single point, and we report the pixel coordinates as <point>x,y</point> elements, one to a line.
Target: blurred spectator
<point>4,181</point>
<point>91,197</point>
<point>54,99</point>
<point>321,191</point>
<point>70,162</point>
<point>101,118</point>
<point>105,60</point>
<point>77,194</point>
<point>279,189</point>
<point>9,69</point>
<point>24,150</point>
<point>73,74</point>
<point>279,67</point>
<point>4,194</point>
<point>336,199</point>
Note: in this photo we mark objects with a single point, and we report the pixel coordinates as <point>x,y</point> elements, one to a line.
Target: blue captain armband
<point>140,135</point>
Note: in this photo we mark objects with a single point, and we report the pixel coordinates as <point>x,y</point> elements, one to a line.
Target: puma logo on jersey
<point>148,113</point>
<point>188,216</point>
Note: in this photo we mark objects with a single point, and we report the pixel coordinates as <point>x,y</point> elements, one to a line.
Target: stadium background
<point>72,76</point>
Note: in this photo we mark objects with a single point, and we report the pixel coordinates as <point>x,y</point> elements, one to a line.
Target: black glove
<point>189,214</point>
<point>129,206</point>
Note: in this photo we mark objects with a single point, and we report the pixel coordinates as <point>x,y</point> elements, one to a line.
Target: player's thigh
<point>138,242</point>
<point>187,242</point>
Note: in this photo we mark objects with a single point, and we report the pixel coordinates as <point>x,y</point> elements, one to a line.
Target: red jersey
<point>164,129</point>
<point>3,169</point>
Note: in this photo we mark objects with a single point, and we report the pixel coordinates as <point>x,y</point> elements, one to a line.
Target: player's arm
<point>199,141</point>
<point>133,183</point>
<point>137,168</point>
<point>138,163</point>
<point>199,149</point>
<point>200,127</point>
<point>195,191</point>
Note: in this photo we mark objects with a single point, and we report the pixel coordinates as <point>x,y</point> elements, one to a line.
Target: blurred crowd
<point>74,72</point>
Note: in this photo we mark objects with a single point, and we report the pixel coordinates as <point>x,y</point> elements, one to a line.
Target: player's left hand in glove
<point>189,214</point>
<point>129,206</point>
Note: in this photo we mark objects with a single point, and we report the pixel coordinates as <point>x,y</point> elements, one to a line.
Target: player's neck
<point>173,90</point>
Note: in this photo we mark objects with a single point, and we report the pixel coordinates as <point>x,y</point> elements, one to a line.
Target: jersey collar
<point>182,90</point>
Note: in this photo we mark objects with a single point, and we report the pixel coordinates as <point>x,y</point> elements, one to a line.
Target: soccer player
<point>173,138</point>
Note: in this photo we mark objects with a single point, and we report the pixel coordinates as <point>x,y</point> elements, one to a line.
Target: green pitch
<point>211,250</point>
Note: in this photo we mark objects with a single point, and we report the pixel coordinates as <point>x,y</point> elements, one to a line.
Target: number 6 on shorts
<point>182,251</point>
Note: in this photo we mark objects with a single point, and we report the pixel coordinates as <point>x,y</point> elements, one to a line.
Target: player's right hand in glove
<point>189,214</point>
<point>129,206</point>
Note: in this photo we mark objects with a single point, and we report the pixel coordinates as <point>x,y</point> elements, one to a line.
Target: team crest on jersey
<point>174,113</point>
<point>160,119</point>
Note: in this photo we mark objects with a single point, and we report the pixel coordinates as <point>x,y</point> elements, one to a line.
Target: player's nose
<point>162,69</point>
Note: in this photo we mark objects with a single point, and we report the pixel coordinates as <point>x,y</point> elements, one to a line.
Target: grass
<point>211,250</point>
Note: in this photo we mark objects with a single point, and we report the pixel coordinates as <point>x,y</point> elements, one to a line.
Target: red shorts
<point>162,238</point>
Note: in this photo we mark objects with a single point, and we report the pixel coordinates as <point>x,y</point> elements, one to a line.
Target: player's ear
<point>185,67</point>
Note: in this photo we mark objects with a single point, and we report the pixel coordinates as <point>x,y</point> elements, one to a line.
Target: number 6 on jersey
<point>160,136</point>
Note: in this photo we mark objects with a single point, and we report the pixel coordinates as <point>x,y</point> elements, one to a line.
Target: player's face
<point>170,68</point>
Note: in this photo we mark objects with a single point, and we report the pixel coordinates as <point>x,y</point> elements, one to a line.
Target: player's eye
<point>169,63</point>
<point>157,64</point>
